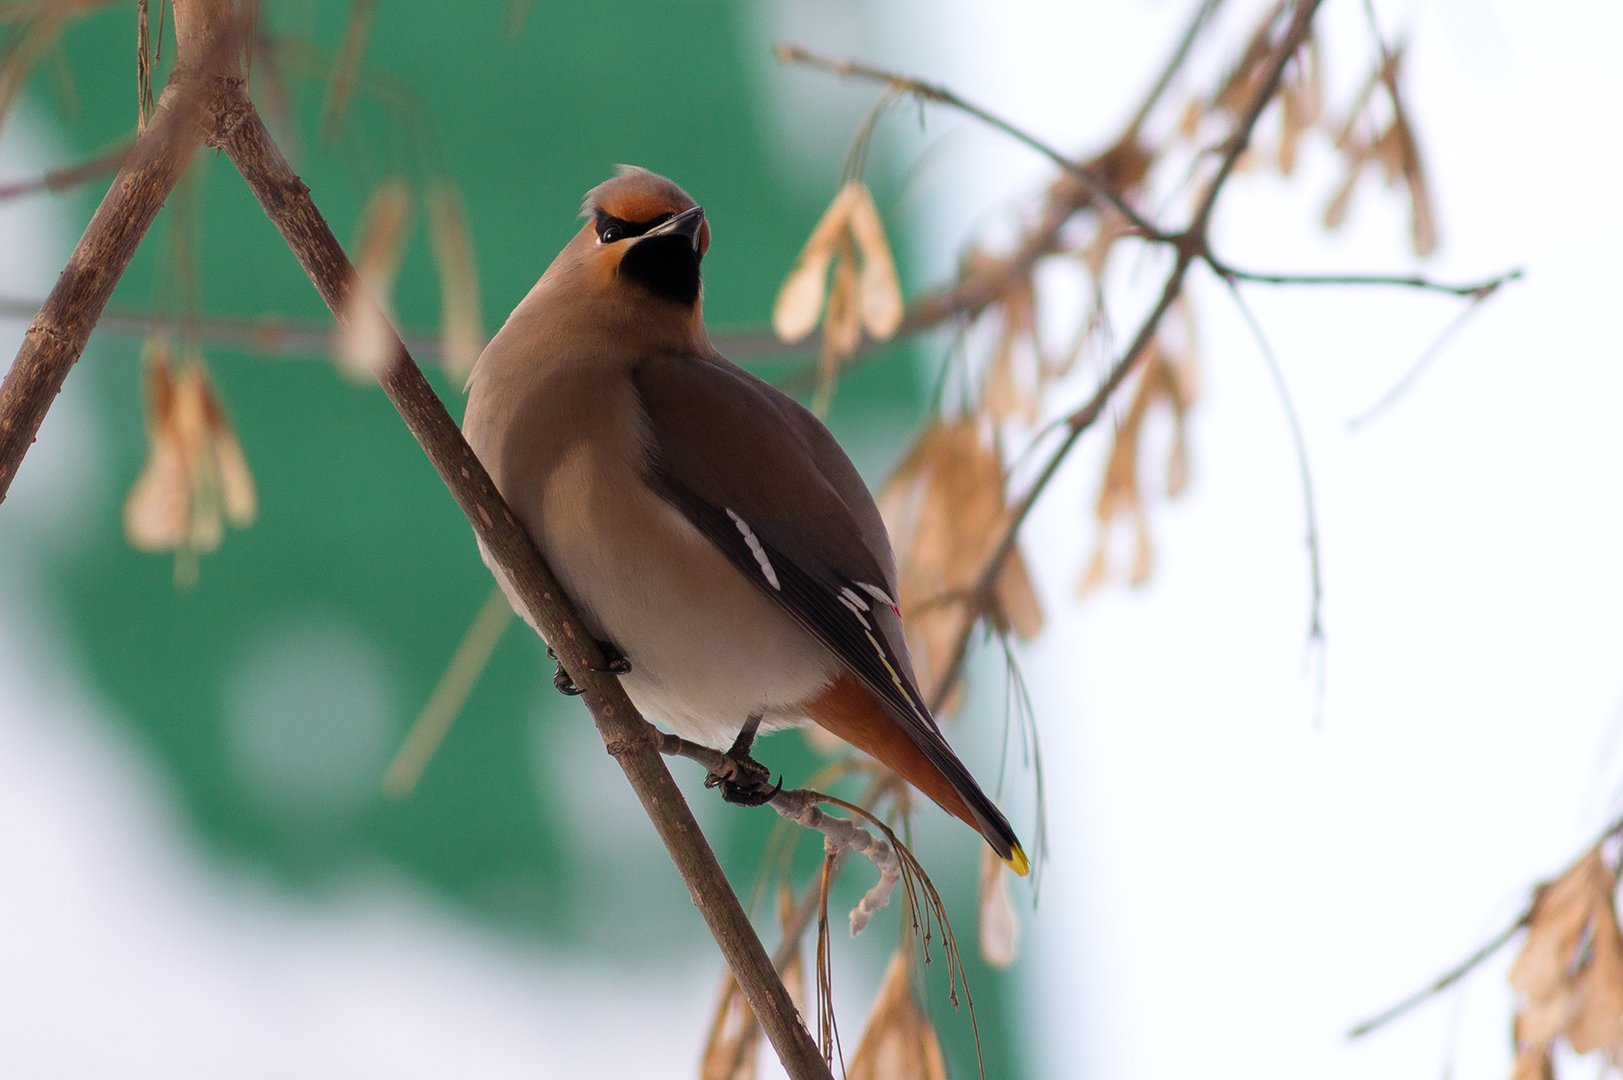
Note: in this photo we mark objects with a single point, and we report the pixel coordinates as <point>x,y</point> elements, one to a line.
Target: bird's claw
<point>744,781</point>
<point>614,663</point>
<point>562,683</point>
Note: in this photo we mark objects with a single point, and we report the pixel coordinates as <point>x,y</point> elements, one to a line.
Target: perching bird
<point>710,529</point>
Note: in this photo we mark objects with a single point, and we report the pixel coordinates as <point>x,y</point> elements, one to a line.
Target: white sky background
<point>1230,886</point>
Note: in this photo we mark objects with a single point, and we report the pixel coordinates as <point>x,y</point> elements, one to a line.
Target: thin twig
<point>278,337</point>
<point>69,176</point>
<point>628,738</point>
<point>1471,962</point>
<point>1293,420</point>
<point>1445,980</point>
<point>906,84</point>
<point>1421,365</point>
<point>802,806</point>
<point>434,722</point>
<point>1174,64</point>
<point>1475,290</point>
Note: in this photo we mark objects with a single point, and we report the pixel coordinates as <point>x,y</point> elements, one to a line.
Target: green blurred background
<point>274,690</point>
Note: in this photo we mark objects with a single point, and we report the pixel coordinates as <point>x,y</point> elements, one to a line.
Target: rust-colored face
<point>645,232</point>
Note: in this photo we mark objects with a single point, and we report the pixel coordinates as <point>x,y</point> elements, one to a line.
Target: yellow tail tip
<point>1017,861</point>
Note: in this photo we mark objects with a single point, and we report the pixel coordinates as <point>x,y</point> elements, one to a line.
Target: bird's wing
<point>762,478</point>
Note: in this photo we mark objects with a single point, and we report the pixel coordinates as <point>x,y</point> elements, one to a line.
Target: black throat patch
<point>666,266</point>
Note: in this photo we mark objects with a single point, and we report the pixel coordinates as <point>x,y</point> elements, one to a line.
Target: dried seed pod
<point>1570,969</point>
<point>462,332</point>
<point>158,507</point>
<point>195,479</point>
<point>881,291</point>
<point>899,1042</point>
<point>946,509</point>
<point>732,1049</point>
<point>999,923</point>
<point>800,298</point>
<point>364,342</point>
<point>865,293</point>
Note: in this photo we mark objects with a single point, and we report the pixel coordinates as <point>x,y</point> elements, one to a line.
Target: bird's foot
<point>743,780</point>
<point>614,663</point>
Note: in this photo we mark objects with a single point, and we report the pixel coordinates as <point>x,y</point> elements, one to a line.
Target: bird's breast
<point>707,646</point>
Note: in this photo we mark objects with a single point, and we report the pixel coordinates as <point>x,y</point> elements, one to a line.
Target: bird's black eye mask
<point>611,228</point>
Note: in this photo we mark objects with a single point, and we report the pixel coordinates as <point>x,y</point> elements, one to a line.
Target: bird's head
<point>644,234</point>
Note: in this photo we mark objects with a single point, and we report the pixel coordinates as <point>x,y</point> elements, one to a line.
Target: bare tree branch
<point>1099,185</point>
<point>69,175</point>
<point>1474,290</point>
<point>1454,974</point>
<point>56,338</point>
<point>632,742</point>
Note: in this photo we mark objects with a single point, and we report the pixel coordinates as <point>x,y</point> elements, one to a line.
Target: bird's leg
<point>745,781</point>
<point>614,663</point>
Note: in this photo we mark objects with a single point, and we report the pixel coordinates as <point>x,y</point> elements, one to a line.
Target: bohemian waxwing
<point>710,529</point>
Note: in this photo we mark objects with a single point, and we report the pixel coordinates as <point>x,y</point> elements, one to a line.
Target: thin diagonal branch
<point>1420,366</point>
<point>1315,631</point>
<point>1473,290</point>
<point>56,338</point>
<point>69,175</point>
<point>798,54</point>
<point>629,739</point>
<point>1478,955</point>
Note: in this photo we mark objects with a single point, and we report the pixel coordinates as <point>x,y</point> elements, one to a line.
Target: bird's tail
<point>847,709</point>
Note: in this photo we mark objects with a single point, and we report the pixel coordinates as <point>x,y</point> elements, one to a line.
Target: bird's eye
<point>610,233</point>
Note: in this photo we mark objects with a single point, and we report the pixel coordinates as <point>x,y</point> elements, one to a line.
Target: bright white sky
<point>1231,885</point>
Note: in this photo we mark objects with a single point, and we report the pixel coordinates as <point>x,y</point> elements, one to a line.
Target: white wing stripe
<point>757,550</point>
<point>877,593</point>
<point>851,600</point>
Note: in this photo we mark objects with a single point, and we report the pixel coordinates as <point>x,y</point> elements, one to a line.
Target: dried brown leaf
<point>999,923</point>
<point>1570,969</point>
<point>1300,104</point>
<point>1335,211</point>
<point>191,422</point>
<point>23,52</point>
<point>880,296</point>
<point>1189,120</point>
<point>1098,571</point>
<point>800,298</point>
<point>1598,1023</point>
<point>842,327</point>
<point>1422,218</point>
<point>945,509</point>
<point>1018,606</point>
<point>1178,464</point>
<point>157,510</point>
<point>1143,549</point>
<point>364,342</point>
<point>1008,392</point>
<point>346,70</point>
<point>238,498</point>
<point>1533,1065</point>
<point>462,332</point>
<point>1168,378</point>
<point>1236,90</point>
<point>732,1049</point>
<point>899,1042</point>
<point>195,479</point>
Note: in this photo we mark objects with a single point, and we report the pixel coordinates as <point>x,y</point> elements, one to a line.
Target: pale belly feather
<point>707,647</point>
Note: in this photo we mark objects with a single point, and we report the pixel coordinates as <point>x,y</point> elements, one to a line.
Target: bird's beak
<point>687,223</point>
